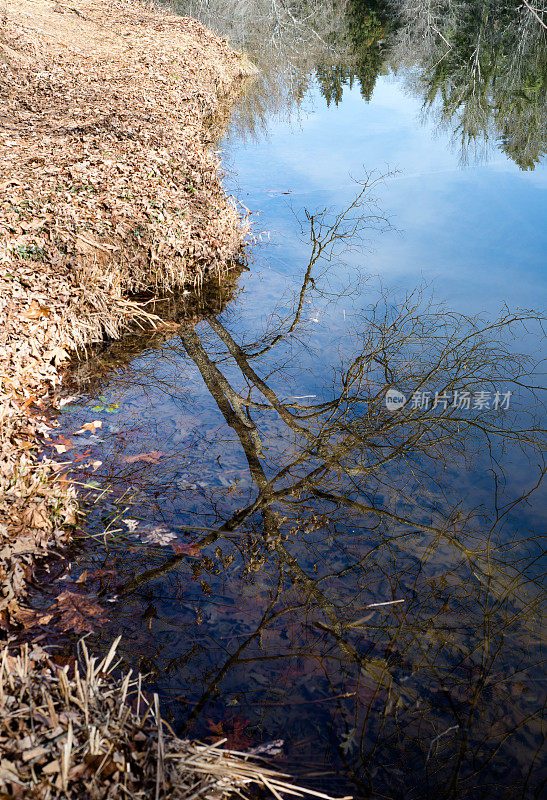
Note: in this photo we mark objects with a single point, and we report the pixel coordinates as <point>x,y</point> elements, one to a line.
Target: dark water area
<point>291,558</point>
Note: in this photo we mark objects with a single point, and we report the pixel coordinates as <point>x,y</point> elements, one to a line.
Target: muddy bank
<point>109,188</point>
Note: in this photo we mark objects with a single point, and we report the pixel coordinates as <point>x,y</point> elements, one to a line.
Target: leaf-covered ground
<point>109,187</point>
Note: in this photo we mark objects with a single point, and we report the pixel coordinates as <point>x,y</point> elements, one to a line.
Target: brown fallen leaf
<point>81,456</point>
<point>27,616</point>
<point>62,445</point>
<point>187,549</point>
<point>233,730</point>
<point>35,311</point>
<point>103,572</point>
<point>93,762</point>
<point>152,458</point>
<point>91,426</point>
<point>57,355</point>
<point>35,225</point>
<point>78,612</point>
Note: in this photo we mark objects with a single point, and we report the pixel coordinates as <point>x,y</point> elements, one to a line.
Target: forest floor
<point>110,186</point>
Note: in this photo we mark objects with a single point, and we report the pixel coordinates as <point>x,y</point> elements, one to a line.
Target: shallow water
<point>289,559</point>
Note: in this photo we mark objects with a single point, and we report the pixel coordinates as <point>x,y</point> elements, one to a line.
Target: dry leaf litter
<point>109,187</point>
<point>77,733</point>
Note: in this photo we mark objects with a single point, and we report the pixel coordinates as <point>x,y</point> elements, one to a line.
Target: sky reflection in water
<point>265,630</point>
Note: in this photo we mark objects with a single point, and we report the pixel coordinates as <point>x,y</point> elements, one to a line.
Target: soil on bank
<point>109,187</point>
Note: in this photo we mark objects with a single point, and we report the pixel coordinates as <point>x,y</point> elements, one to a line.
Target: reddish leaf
<point>101,573</point>
<point>81,456</point>
<point>188,549</point>
<point>78,612</point>
<point>63,444</point>
<point>233,730</point>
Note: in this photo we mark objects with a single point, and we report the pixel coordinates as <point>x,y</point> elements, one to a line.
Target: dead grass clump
<point>81,733</point>
<point>109,187</point>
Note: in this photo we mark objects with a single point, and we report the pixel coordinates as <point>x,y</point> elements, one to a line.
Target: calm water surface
<point>292,560</point>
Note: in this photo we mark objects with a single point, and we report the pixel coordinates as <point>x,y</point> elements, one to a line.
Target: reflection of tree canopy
<point>368,25</point>
<point>339,505</point>
<point>481,67</point>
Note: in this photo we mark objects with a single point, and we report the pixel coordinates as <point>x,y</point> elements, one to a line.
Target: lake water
<point>288,558</point>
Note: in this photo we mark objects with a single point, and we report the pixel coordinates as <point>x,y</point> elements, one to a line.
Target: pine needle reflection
<point>477,67</point>
<point>352,587</point>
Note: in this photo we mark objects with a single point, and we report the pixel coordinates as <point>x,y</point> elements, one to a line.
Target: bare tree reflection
<point>285,40</point>
<point>272,620</point>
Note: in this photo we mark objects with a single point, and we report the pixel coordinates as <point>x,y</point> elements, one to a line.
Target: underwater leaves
<point>153,457</point>
<point>106,406</point>
<point>77,612</point>
<point>233,729</point>
<point>78,209</point>
<point>188,549</point>
<point>158,535</point>
<point>91,426</point>
<point>69,612</point>
<point>62,445</point>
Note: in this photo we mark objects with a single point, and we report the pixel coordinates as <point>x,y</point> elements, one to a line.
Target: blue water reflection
<point>477,234</point>
<point>441,694</point>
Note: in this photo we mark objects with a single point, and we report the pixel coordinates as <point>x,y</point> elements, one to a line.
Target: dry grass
<point>109,187</point>
<point>80,733</point>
